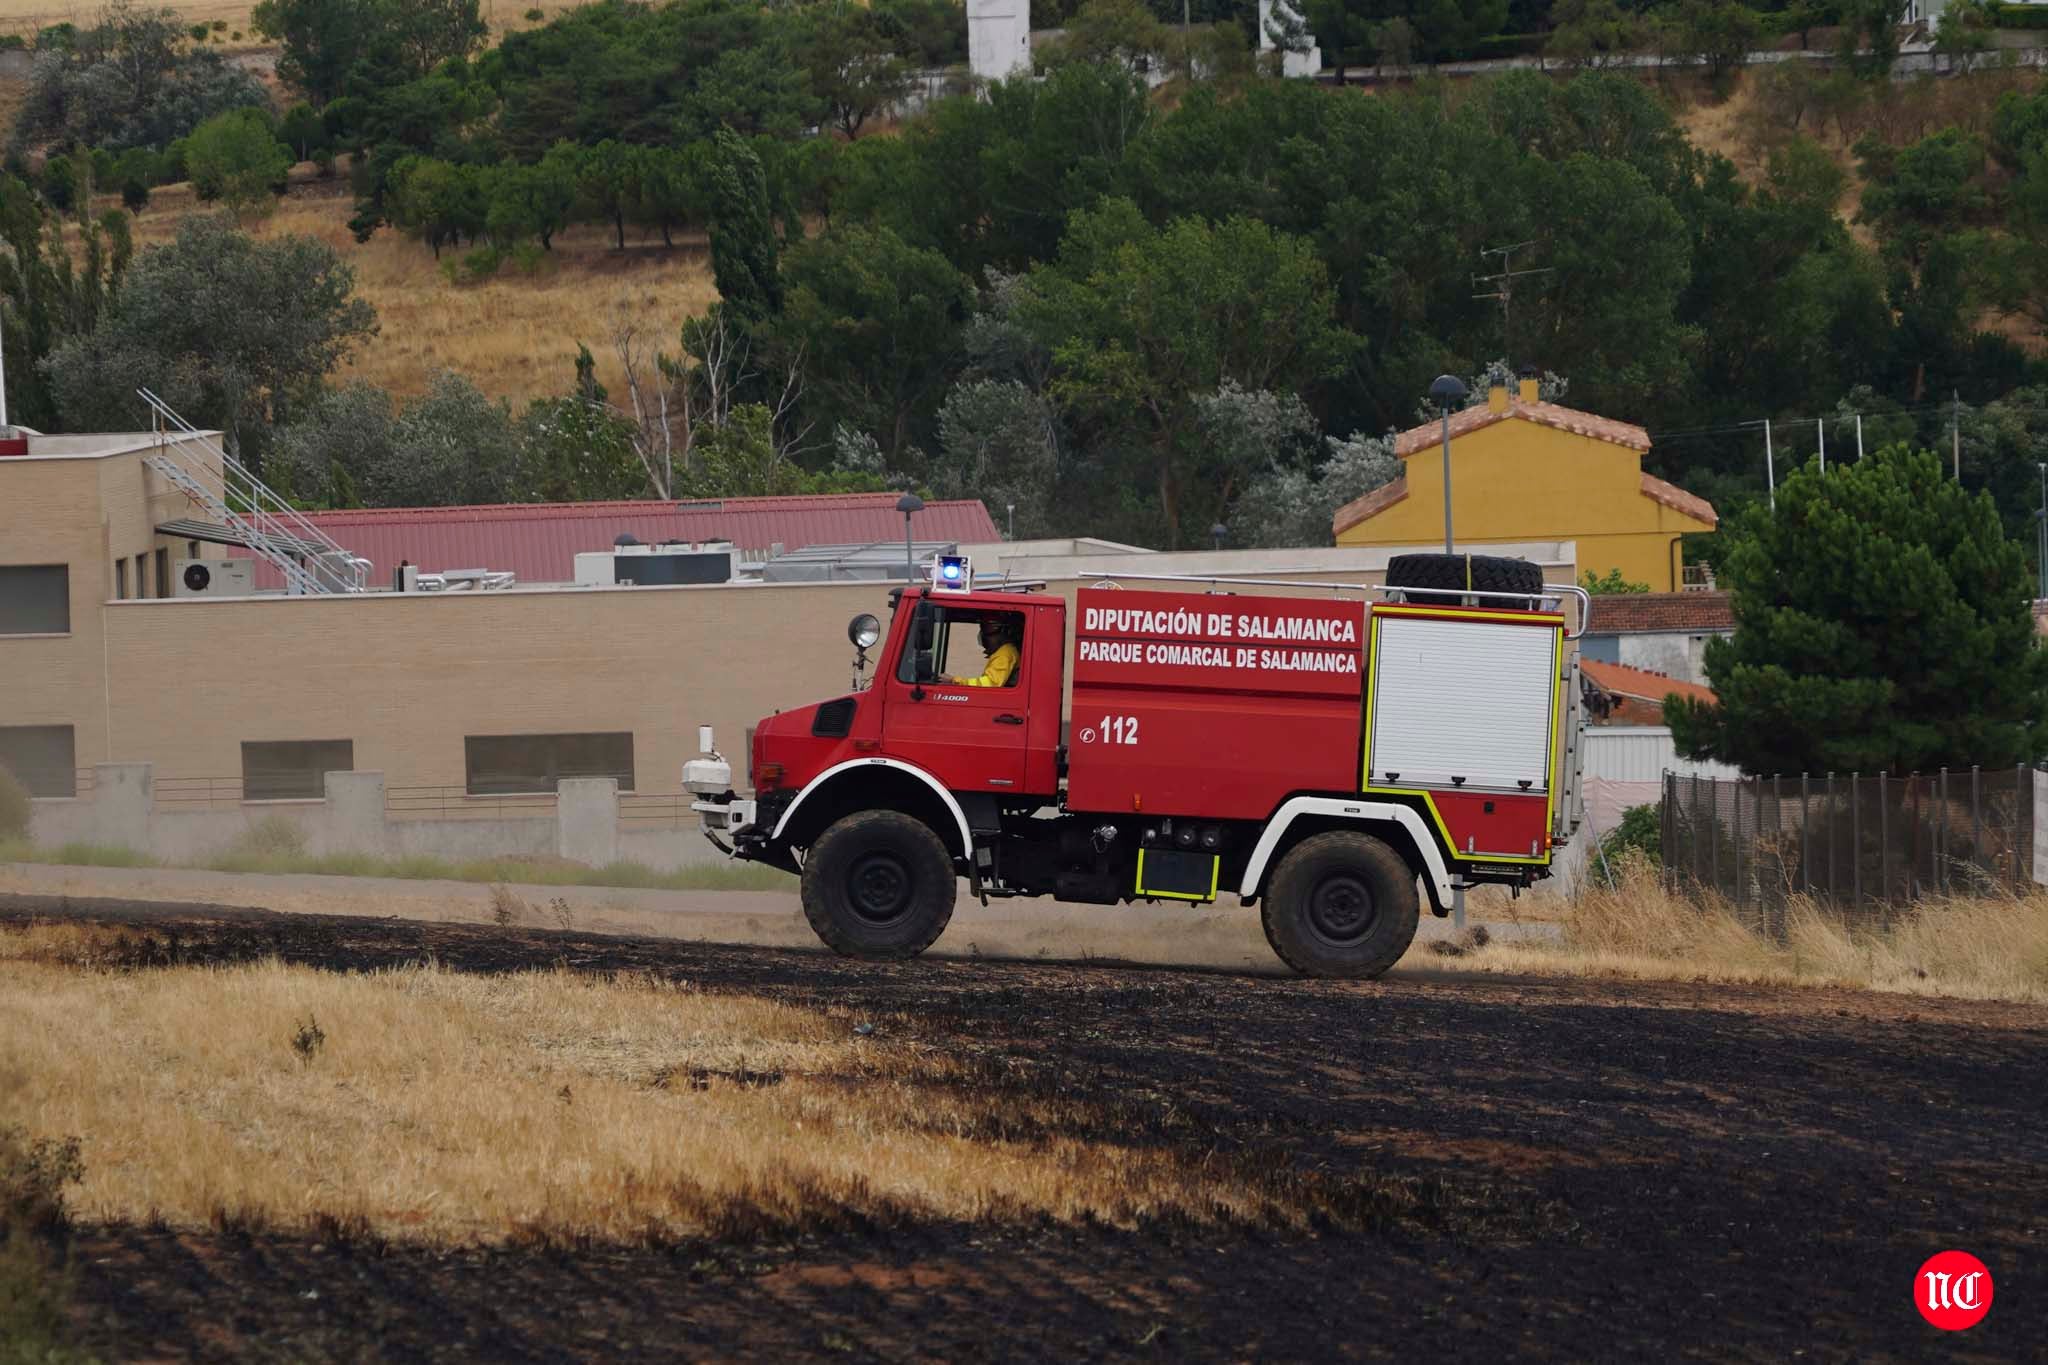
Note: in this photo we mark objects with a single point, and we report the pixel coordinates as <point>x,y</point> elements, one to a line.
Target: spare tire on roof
<point>1462,574</point>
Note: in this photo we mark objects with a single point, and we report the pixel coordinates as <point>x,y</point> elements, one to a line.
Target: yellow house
<point>1524,470</point>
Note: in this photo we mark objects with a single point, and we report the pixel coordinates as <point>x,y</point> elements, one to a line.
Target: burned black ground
<point>1550,1169</point>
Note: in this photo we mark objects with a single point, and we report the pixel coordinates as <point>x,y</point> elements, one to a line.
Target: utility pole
<point>1770,465</point>
<point>1955,430</point>
<point>1504,289</point>
<point>1820,425</point>
<point>2041,538</point>
<point>1859,438</point>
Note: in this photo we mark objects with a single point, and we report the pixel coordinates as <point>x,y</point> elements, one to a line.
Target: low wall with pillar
<point>121,810</point>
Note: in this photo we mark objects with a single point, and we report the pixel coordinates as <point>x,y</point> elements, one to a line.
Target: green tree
<point>234,158</point>
<point>574,448</point>
<point>877,325</point>
<point>231,331</point>
<point>999,443</point>
<point>1882,623</point>
<point>1718,34</point>
<point>852,68</point>
<point>1612,582</point>
<point>47,296</point>
<point>1142,320</point>
<point>436,202</point>
<point>328,47</point>
<point>743,245</point>
<point>608,178</point>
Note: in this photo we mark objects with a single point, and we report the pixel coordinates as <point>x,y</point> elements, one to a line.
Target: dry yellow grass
<point>455,1108</point>
<point>1973,949</point>
<point>514,336</point>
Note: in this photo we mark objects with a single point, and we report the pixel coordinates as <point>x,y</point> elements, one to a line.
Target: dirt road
<point>1225,935</point>
<point>1617,1171</point>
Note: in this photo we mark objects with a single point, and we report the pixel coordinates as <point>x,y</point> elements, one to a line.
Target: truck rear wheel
<point>1341,904</point>
<point>878,884</point>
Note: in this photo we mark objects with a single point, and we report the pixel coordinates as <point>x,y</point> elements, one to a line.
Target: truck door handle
<point>1007,719</point>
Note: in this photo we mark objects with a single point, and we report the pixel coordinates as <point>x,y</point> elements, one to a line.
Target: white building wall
<point>998,37</point>
<point>1679,655</point>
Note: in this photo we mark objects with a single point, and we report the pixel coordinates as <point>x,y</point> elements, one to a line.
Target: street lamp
<point>2041,538</point>
<point>908,503</point>
<point>1447,393</point>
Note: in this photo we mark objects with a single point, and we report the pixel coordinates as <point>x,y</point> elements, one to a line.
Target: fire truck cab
<point>1332,759</point>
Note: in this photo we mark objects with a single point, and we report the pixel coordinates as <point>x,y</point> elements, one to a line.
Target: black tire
<point>878,884</point>
<point>1341,904</point>
<point>1481,573</point>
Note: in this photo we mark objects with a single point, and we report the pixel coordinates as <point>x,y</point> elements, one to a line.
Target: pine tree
<point>1882,623</point>
<point>743,246</point>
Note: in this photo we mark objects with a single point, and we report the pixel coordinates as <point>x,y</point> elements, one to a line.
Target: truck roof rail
<point>1553,594</point>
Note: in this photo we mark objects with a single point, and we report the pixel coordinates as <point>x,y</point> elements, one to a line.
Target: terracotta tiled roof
<point>1372,504</point>
<point>1474,418</point>
<point>1619,680</point>
<point>1678,500</point>
<point>1660,613</point>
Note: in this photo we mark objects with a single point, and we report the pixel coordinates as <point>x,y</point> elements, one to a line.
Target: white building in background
<point>1291,63</point>
<point>998,38</point>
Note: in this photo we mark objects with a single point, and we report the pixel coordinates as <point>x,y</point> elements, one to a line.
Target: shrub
<point>2020,16</point>
<point>15,809</point>
<point>1636,841</point>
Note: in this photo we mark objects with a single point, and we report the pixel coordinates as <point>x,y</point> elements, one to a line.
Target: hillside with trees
<point>1129,308</point>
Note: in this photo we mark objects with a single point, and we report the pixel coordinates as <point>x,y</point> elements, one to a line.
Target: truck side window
<point>955,645</point>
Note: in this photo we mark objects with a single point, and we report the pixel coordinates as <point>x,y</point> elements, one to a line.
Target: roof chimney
<point>1531,384</point>
<point>1497,398</point>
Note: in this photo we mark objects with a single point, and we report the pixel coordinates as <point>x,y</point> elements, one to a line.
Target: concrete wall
<point>120,810</point>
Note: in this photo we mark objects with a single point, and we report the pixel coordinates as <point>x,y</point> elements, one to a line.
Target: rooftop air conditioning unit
<point>214,577</point>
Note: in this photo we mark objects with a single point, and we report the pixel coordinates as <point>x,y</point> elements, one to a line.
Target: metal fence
<point>1860,843</point>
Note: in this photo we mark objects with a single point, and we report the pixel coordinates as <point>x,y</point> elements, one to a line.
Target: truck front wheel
<point>878,884</point>
<point>1341,904</point>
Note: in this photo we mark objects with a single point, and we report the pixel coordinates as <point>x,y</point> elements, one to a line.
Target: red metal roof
<point>540,541</point>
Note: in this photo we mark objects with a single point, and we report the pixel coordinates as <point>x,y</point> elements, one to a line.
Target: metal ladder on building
<point>310,559</point>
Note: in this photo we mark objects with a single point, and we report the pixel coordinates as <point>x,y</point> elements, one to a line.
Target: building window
<point>35,599</point>
<point>43,757</point>
<point>293,769</point>
<point>142,575</point>
<point>163,573</point>
<point>120,579</point>
<point>498,765</point>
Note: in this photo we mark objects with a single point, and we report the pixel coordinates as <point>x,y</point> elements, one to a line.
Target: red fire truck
<point>1321,756</point>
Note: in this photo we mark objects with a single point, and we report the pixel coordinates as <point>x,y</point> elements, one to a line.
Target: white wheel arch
<point>1363,813</point>
<point>938,789</point>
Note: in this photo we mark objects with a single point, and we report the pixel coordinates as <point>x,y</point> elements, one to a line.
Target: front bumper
<point>726,814</point>
<point>744,827</point>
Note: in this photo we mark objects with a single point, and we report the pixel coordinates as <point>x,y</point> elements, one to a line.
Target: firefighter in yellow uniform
<point>998,637</point>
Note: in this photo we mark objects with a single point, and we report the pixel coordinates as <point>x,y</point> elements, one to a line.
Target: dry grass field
<point>551,1106</point>
<point>1965,948</point>
<point>514,336</point>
